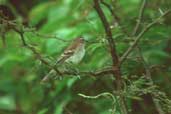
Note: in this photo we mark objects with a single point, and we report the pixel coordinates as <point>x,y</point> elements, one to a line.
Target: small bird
<point>74,53</point>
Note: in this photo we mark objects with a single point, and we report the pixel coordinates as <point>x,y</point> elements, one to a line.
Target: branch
<point>115,58</point>
<point>148,76</point>
<point>3,38</point>
<point>60,39</point>
<point>108,32</point>
<point>115,17</point>
<point>49,36</point>
<point>111,10</point>
<point>147,68</point>
<point>39,57</point>
<point>129,50</point>
<point>100,72</point>
<point>21,31</point>
<point>111,43</point>
<point>140,17</point>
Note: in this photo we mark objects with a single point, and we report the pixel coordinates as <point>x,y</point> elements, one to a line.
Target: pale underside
<point>77,56</point>
<point>75,59</point>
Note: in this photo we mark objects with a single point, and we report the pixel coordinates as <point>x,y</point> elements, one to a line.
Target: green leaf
<point>7,102</point>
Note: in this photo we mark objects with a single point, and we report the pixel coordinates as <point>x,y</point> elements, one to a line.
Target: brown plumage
<point>73,53</point>
<point>71,49</point>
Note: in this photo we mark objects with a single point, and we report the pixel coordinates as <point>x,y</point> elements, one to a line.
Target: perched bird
<point>74,53</point>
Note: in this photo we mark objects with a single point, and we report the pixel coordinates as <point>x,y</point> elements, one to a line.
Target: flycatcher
<point>74,53</point>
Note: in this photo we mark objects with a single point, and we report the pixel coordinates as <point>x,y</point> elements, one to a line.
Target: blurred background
<point>48,20</point>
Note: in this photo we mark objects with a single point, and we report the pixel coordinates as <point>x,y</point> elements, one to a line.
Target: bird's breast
<point>78,55</point>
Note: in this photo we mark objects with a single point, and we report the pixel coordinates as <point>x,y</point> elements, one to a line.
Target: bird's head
<point>79,39</point>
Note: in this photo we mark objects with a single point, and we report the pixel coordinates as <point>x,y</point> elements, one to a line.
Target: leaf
<point>40,12</point>
<point>7,102</point>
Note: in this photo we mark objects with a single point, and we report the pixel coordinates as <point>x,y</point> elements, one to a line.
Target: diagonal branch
<point>147,69</point>
<point>129,50</point>
<point>115,17</point>
<point>108,32</point>
<point>113,52</point>
<point>148,76</point>
<point>140,17</point>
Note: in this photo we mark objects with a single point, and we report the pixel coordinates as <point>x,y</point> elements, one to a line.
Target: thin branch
<point>3,39</point>
<point>115,17</point>
<point>22,38</point>
<point>140,17</point>
<point>30,29</point>
<point>38,56</point>
<point>111,10</point>
<point>129,50</point>
<point>24,29</point>
<point>147,69</point>
<point>108,32</point>
<point>50,36</point>
<point>21,33</point>
<point>67,110</point>
<point>96,73</point>
<point>148,76</point>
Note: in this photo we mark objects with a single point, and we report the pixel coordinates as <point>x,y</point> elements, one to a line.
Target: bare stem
<point>129,50</point>
<point>113,52</point>
<point>115,16</point>
<point>140,17</point>
<point>147,69</point>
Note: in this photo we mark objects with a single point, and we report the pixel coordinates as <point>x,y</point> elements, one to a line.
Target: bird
<point>74,53</point>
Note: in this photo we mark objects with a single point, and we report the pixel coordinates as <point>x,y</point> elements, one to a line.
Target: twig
<point>50,36</point>
<point>148,76</point>
<point>96,73</point>
<point>29,29</point>
<point>111,10</point>
<point>115,17</point>
<point>67,110</point>
<point>111,42</point>
<point>129,50</point>
<point>37,54</point>
<point>21,33</point>
<point>140,17</point>
<point>24,29</point>
<point>103,95</point>
<point>3,40</point>
<point>22,38</point>
<point>60,39</point>
<point>97,96</point>
<point>147,69</point>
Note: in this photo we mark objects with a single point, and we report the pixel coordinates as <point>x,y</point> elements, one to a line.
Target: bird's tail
<point>48,76</point>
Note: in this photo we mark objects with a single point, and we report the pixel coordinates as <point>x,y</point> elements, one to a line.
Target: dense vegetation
<point>126,68</point>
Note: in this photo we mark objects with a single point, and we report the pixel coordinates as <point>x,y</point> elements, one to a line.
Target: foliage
<point>48,26</point>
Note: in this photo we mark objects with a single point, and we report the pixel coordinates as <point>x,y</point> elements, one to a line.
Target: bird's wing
<point>65,56</point>
<point>69,51</point>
